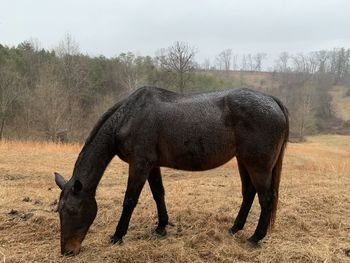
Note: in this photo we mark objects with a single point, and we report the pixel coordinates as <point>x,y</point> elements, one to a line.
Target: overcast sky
<point>110,27</point>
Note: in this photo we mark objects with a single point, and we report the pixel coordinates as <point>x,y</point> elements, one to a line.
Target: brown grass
<point>312,221</point>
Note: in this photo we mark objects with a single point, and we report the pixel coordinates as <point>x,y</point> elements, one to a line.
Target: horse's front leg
<point>157,188</point>
<point>138,174</point>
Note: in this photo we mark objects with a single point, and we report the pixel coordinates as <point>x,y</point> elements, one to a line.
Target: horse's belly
<point>198,151</point>
<point>192,163</point>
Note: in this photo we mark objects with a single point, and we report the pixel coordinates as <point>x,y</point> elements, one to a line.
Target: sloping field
<point>341,102</point>
<point>312,222</point>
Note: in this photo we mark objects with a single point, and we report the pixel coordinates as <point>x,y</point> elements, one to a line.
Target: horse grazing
<point>154,127</point>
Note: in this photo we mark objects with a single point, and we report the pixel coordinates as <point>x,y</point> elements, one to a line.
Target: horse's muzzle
<point>71,248</point>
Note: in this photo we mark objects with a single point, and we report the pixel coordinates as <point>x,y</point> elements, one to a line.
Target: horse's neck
<point>93,161</point>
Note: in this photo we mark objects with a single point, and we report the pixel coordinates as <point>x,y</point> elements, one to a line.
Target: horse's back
<point>200,131</point>
<point>193,132</point>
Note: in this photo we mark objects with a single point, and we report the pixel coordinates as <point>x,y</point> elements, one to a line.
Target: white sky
<point>247,26</point>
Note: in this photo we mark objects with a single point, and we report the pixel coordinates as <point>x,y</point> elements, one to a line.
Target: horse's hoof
<point>68,254</point>
<point>233,230</point>
<point>253,242</point>
<point>160,231</point>
<point>116,240</point>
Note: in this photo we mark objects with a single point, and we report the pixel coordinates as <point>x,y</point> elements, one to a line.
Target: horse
<point>155,127</point>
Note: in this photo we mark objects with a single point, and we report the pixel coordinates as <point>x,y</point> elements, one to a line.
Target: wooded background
<point>58,94</point>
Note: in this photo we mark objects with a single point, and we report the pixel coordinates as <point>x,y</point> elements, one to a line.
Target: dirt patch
<point>11,177</point>
<point>13,214</point>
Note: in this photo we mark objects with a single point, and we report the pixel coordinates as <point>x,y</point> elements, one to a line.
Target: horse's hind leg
<point>157,188</point>
<point>263,186</point>
<point>248,193</point>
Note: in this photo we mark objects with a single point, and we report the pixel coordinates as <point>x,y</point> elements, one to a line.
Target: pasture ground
<point>312,221</point>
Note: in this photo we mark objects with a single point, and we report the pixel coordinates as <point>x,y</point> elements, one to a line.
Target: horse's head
<point>77,208</point>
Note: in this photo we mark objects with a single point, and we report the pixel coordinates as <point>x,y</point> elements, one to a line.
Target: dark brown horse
<point>154,127</point>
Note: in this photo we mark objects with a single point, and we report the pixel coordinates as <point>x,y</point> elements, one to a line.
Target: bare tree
<point>303,63</point>
<point>244,65</point>
<point>322,58</point>
<point>206,64</point>
<point>282,62</point>
<point>250,63</point>
<point>258,59</point>
<point>10,90</point>
<point>72,76</point>
<point>304,116</point>
<point>224,59</point>
<point>313,62</point>
<point>235,62</point>
<point>67,47</point>
<point>72,72</point>
<point>129,74</point>
<point>340,64</point>
<point>179,60</point>
<point>53,98</point>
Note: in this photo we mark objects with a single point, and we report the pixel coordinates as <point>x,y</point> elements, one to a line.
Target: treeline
<point>58,94</point>
<point>304,82</point>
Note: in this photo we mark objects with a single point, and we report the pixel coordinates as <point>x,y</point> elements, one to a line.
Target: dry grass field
<point>312,224</point>
<point>341,102</point>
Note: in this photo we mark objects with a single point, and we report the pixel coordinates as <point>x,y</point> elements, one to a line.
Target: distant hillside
<point>313,97</point>
<point>341,102</point>
<point>264,80</point>
<point>340,94</point>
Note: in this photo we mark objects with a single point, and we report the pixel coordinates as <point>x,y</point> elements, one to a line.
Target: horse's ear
<point>59,180</point>
<point>77,187</point>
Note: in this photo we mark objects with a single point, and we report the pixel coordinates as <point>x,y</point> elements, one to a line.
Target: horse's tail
<point>277,169</point>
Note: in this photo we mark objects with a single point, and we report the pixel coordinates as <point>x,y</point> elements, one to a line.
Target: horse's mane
<point>96,128</point>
